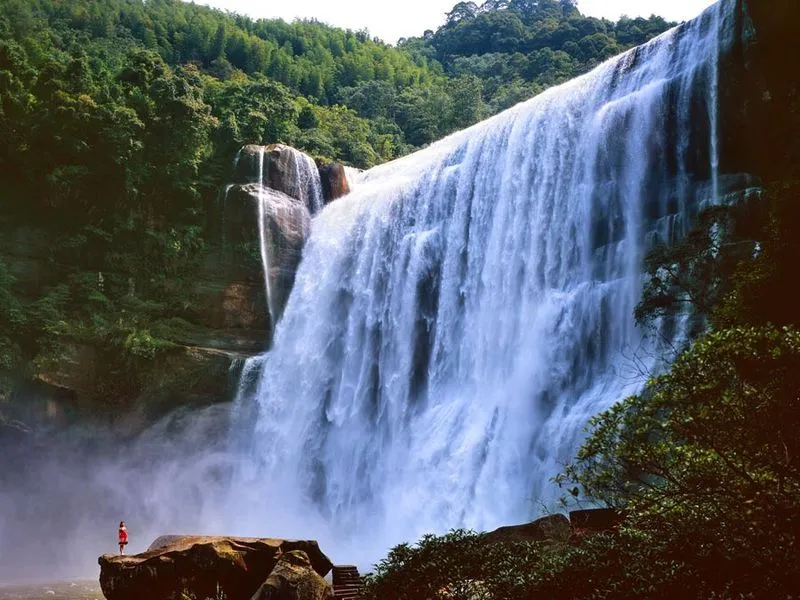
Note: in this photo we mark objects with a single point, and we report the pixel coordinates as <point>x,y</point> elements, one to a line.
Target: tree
<point>705,461</point>
<point>460,12</point>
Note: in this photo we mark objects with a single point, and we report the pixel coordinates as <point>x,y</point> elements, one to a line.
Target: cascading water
<point>270,175</point>
<point>458,318</point>
<point>263,234</point>
<point>353,176</point>
<point>305,184</point>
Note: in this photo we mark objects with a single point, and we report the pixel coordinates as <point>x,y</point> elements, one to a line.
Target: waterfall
<point>305,185</point>
<point>263,237</point>
<point>353,176</point>
<point>458,318</point>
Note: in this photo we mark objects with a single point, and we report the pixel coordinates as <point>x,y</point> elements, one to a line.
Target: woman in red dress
<point>123,537</point>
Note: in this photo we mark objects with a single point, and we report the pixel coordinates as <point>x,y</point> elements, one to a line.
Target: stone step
<point>346,582</point>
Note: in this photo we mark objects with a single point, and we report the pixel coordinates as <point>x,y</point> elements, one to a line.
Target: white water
<point>460,316</point>
<point>353,176</point>
<point>263,236</point>
<point>300,180</point>
<point>305,184</point>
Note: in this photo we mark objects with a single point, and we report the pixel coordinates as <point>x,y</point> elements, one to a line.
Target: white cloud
<point>404,18</point>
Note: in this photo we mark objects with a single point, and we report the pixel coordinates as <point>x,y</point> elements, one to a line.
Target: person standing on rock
<point>123,537</point>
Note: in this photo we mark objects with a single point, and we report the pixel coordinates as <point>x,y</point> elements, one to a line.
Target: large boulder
<point>202,566</point>
<point>286,225</point>
<point>550,528</point>
<point>281,168</point>
<point>333,177</point>
<point>294,578</point>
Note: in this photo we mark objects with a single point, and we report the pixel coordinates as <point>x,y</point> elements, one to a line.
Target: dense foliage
<point>118,121</point>
<point>513,49</point>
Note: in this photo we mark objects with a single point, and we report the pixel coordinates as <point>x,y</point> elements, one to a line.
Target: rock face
<point>334,181</point>
<point>759,111</point>
<point>284,169</point>
<point>550,528</point>
<point>286,225</point>
<point>202,566</point>
<point>294,578</point>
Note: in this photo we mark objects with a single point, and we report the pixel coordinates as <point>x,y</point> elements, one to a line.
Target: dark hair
<point>122,523</point>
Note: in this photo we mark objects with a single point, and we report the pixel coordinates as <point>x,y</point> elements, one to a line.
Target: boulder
<point>287,223</point>
<point>283,169</point>
<point>246,164</point>
<point>550,528</point>
<point>334,181</point>
<point>69,365</point>
<point>202,566</point>
<point>293,578</point>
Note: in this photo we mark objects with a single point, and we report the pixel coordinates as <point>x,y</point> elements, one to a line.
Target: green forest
<point>120,120</point>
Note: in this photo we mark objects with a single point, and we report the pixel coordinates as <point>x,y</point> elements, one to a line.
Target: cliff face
<point>760,92</point>
<point>263,216</point>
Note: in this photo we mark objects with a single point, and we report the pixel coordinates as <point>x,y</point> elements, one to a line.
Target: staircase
<point>346,582</point>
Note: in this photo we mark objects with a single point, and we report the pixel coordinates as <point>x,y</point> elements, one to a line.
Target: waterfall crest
<point>458,318</point>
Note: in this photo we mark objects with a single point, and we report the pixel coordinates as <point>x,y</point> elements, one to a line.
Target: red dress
<point>123,536</point>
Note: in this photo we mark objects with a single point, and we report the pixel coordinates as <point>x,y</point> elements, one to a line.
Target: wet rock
<point>71,366</point>
<point>293,578</point>
<point>283,169</point>
<point>202,566</point>
<point>247,167</point>
<point>333,177</point>
<point>287,223</point>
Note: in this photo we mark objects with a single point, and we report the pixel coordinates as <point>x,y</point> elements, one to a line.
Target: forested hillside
<point>119,120</point>
<point>511,50</point>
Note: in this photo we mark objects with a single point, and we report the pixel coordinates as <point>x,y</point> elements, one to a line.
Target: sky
<point>393,19</point>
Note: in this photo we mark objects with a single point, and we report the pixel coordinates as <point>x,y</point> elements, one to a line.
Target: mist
<point>64,491</point>
<point>63,494</point>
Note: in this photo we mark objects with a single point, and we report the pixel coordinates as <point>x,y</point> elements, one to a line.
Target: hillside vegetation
<point>119,120</point>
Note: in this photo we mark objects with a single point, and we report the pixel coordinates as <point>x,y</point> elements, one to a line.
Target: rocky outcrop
<point>550,528</point>
<point>293,578</point>
<point>333,177</point>
<point>202,566</point>
<point>185,374</point>
<point>283,169</point>
<point>287,223</point>
<point>71,366</point>
<point>227,314</point>
<point>560,529</point>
